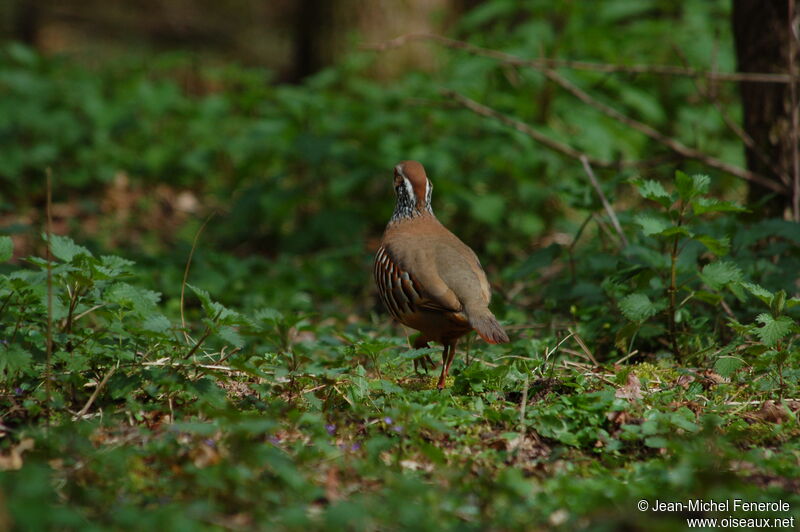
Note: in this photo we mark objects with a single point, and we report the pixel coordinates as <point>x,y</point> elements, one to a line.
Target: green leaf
<point>759,291</point>
<point>727,365</point>
<point>709,205</point>
<point>653,190</point>
<point>683,184</point>
<point>652,225</point>
<point>14,361</point>
<point>712,298</point>
<point>216,311</point>
<point>691,187</point>
<point>773,329</point>
<point>777,303</point>
<point>676,230</point>
<point>6,248</point>
<point>205,299</point>
<point>718,247</point>
<point>412,354</point>
<point>157,323</point>
<point>717,274</point>
<point>115,265</point>
<point>656,442</point>
<point>682,422</point>
<point>64,248</point>
<point>637,307</point>
<point>231,336</point>
<point>140,300</point>
<point>268,314</point>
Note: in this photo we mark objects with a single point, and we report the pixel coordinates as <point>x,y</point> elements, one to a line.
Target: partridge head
<point>427,278</point>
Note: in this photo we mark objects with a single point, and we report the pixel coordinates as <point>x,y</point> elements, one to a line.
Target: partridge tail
<point>487,328</point>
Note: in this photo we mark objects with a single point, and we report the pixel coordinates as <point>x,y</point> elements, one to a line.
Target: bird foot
<point>425,361</point>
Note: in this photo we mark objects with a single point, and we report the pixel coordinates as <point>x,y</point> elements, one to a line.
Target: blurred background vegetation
<point>278,123</point>
<point>153,114</point>
<point>276,117</point>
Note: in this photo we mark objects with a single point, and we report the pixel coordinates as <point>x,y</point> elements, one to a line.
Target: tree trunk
<point>762,40</point>
<point>26,23</point>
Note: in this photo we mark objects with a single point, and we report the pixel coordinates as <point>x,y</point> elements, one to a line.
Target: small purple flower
<point>355,447</point>
<point>18,390</point>
<point>331,429</point>
<point>210,442</point>
<point>274,440</point>
<point>397,428</point>
<point>387,420</point>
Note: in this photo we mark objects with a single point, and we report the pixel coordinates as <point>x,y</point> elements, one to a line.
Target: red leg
<point>443,375</point>
<point>448,355</point>
<point>452,356</point>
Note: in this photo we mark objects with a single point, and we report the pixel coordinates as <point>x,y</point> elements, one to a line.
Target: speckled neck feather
<point>413,190</point>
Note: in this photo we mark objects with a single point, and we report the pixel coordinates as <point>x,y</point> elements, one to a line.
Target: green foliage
<point>272,395</point>
<point>241,420</point>
<point>637,307</point>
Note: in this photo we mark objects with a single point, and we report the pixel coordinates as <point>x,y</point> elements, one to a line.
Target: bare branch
<point>661,70</point>
<point>94,395</point>
<point>709,92</point>
<point>186,272</point>
<point>522,127</point>
<point>671,143</point>
<point>606,205</point>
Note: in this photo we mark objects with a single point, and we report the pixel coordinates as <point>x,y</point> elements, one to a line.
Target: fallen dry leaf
<point>685,380</point>
<point>771,413</point>
<point>619,417</point>
<point>632,391</point>
<point>13,460</point>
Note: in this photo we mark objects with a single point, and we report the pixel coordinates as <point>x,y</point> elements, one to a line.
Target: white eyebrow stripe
<point>410,190</point>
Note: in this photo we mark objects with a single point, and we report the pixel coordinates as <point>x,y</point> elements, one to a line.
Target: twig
<point>88,311</point>
<point>588,371</point>
<point>795,114</point>
<point>163,363</point>
<point>709,93</point>
<point>225,356</point>
<point>199,342</point>
<point>727,308</point>
<point>524,128</point>
<point>602,225</point>
<point>523,403</point>
<point>575,353</point>
<point>585,349</point>
<point>662,70</point>
<point>609,210</point>
<point>94,395</point>
<point>186,272</point>
<point>549,352</point>
<point>626,357</point>
<point>48,374</point>
<point>671,143</point>
<point>574,242</point>
<point>542,65</point>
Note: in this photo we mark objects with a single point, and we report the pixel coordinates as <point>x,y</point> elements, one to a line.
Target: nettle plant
<point>771,338</point>
<point>103,329</point>
<point>681,277</point>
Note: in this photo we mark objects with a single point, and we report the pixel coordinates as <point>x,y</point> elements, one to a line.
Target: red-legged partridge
<point>427,278</point>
